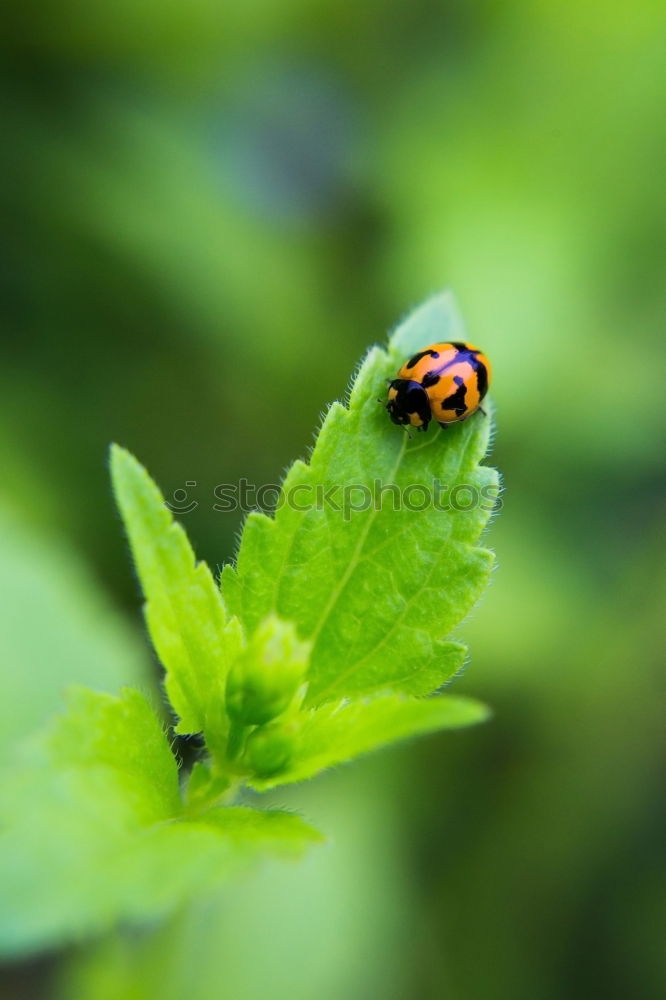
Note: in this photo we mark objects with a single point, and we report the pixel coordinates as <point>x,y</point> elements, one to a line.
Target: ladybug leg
<point>483,411</point>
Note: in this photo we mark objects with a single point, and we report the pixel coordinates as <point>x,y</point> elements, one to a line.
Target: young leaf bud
<point>270,748</point>
<point>266,675</point>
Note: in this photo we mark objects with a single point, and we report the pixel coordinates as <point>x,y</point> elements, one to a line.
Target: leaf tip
<point>117,454</point>
<point>436,319</point>
<point>472,711</point>
<point>121,462</point>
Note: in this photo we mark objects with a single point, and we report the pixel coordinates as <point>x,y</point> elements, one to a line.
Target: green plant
<point>324,641</point>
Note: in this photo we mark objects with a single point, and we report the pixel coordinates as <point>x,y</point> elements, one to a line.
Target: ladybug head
<point>408,403</point>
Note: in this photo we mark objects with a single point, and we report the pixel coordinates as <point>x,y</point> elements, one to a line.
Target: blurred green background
<point>211,210</point>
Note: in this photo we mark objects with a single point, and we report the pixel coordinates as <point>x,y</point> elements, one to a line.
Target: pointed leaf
<point>184,611</point>
<point>334,734</point>
<point>376,591</point>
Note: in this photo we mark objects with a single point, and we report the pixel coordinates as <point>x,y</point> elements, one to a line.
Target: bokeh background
<point>210,211</point>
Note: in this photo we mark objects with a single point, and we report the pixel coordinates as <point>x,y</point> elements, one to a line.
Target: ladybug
<point>444,382</point>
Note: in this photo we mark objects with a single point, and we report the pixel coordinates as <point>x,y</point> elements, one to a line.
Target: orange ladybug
<point>444,382</point>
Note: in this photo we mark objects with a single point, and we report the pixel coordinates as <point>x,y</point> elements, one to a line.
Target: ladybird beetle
<point>444,382</point>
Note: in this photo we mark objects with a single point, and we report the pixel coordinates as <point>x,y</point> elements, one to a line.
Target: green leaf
<point>377,592</point>
<point>334,734</point>
<point>186,619</point>
<point>93,830</point>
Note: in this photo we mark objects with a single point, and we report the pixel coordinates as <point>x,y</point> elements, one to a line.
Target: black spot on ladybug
<point>422,354</point>
<point>481,379</point>
<point>432,378</point>
<point>456,401</point>
<point>458,380</point>
<point>459,346</point>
